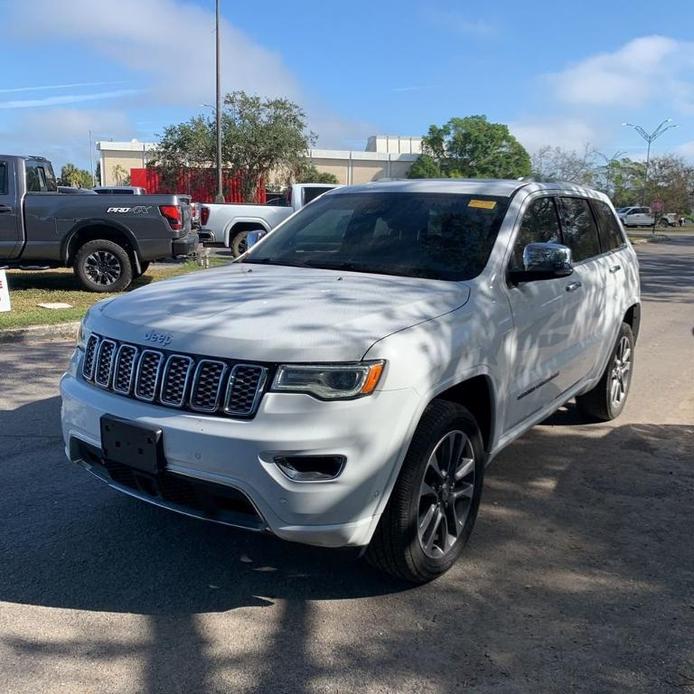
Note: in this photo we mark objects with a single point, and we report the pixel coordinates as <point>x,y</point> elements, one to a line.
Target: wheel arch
<point>93,230</point>
<point>240,224</point>
<point>632,317</point>
<point>476,394</point>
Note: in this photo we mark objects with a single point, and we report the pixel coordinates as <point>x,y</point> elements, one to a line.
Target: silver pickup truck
<point>228,224</point>
<point>108,240</point>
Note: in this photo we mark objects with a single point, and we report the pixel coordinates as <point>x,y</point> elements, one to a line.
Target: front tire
<point>607,399</point>
<point>103,266</point>
<point>433,507</point>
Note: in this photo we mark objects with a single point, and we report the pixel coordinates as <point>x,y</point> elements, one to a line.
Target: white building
<point>386,156</point>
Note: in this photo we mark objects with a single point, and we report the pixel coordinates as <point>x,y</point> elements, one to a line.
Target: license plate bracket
<point>131,443</point>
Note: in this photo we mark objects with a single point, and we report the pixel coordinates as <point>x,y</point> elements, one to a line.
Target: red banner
<point>200,184</point>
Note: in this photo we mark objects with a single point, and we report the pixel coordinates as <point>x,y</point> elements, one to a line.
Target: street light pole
<point>91,160</point>
<point>664,126</point>
<point>218,112</point>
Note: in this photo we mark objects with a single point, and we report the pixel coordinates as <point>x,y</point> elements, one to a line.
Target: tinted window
<point>313,192</point>
<point>610,229</point>
<point>40,178</point>
<point>578,228</point>
<point>3,178</point>
<point>433,235</point>
<point>539,225</point>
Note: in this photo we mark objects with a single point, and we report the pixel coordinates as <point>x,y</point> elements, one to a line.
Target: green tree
<point>425,167</point>
<point>306,172</point>
<point>472,147</point>
<point>258,136</point>
<point>70,175</point>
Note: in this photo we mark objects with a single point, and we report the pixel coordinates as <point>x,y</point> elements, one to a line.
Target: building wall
<point>349,166</point>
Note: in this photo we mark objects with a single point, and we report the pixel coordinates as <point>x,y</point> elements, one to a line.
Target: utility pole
<point>218,113</point>
<point>664,126</point>
<point>91,160</point>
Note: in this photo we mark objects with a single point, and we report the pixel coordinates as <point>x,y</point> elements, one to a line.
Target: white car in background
<point>636,216</point>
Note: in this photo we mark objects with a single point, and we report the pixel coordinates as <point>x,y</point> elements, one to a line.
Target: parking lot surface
<point>579,575</point>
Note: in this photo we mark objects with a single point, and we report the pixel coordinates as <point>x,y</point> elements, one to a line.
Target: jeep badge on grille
<point>162,339</point>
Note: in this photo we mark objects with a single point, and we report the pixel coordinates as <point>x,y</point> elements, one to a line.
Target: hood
<point>274,313</point>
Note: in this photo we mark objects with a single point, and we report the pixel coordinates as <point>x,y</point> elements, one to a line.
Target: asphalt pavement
<point>579,575</point>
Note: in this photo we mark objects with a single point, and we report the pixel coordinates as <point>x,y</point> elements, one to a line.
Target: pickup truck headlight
<point>329,381</point>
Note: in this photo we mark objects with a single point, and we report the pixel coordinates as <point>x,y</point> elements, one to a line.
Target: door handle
<point>5,208</point>
<point>573,286</point>
<point>615,268</point>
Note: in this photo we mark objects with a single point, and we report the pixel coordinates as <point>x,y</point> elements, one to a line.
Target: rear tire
<point>103,266</point>
<point>607,399</point>
<point>434,504</point>
<point>237,245</point>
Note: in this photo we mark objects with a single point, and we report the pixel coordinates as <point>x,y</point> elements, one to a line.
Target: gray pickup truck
<point>107,239</point>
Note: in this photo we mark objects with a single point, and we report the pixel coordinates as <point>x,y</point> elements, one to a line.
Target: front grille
<point>182,381</point>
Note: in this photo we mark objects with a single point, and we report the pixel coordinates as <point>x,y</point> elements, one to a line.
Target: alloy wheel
<point>620,372</point>
<point>445,495</point>
<point>102,267</point>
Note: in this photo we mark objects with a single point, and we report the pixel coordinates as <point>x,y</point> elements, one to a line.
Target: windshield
<point>433,235</point>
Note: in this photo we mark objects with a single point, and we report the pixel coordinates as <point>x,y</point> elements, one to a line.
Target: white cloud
<point>65,99</point>
<point>568,133</point>
<point>644,69</point>
<point>62,134</point>
<point>170,42</point>
<point>460,22</point>
<point>47,87</point>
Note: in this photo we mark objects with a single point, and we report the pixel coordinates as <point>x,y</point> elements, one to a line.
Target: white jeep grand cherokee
<point>347,381</point>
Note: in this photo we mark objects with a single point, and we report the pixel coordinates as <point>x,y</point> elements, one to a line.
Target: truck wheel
<point>434,504</point>
<point>606,401</point>
<point>237,245</point>
<point>103,266</point>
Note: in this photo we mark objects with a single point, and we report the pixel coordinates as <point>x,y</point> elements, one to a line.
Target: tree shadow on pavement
<point>578,577</point>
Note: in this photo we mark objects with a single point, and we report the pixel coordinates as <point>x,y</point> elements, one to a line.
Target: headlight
<point>82,335</point>
<point>329,381</point>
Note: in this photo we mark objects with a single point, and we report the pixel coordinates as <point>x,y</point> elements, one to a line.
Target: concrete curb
<point>41,332</point>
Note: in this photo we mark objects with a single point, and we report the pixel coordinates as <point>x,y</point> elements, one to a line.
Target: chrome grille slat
<point>148,370</point>
<point>207,385</point>
<point>187,382</point>
<point>124,371</point>
<point>103,368</point>
<point>90,357</point>
<point>174,381</point>
<point>244,389</point>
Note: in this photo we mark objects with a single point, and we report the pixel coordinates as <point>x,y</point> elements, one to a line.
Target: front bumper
<point>370,432</point>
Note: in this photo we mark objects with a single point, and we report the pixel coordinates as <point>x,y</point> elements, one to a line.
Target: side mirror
<point>252,237</point>
<point>543,261</point>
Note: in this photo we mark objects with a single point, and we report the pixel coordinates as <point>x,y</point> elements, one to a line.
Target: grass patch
<point>28,288</point>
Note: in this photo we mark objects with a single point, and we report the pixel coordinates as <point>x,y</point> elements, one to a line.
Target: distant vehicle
<point>107,240</point>
<point>636,216</point>
<point>119,190</point>
<point>228,224</point>
<point>70,190</point>
<point>644,217</point>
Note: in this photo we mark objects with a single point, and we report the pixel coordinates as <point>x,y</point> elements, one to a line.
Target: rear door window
<point>610,230</point>
<point>578,228</point>
<point>40,178</point>
<point>540,224</point>
<point>3,178</point>
<point>313,192</point>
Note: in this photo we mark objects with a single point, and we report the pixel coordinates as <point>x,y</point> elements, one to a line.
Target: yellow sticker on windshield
<point>482,204</point>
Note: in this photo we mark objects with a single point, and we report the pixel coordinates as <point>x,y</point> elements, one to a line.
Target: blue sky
<point>562,74</point>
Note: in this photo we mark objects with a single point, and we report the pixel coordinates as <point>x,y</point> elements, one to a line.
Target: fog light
<point>311,468</point>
